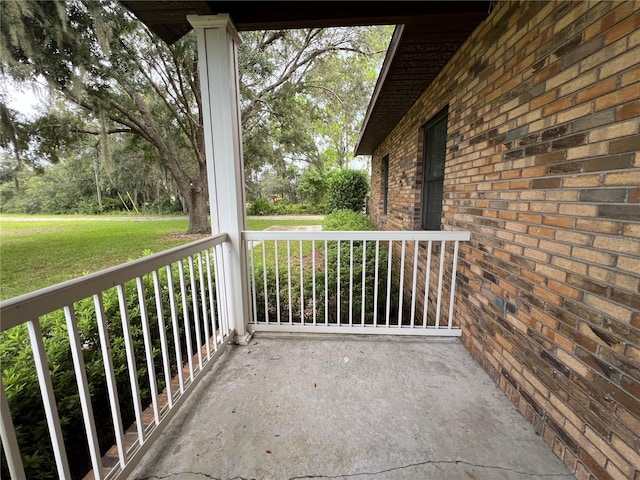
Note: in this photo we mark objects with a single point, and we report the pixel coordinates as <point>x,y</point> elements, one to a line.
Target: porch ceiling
<point>432,32</point>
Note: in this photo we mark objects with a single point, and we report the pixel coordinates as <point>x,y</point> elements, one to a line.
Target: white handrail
<point>358,235</point>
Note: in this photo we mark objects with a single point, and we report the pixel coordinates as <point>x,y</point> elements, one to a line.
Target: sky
<point>25,99</point>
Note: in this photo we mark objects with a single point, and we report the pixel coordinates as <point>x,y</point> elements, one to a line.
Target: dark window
<point>435,148</point>
<point>385,184</point>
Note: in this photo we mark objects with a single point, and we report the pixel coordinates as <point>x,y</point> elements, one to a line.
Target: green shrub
<point>347,220</point>
<point>111,205</point>
<point>165,206</point>
<point>87,206</point>
<point>286,208</point>
<point>294,209</point>
<point>259,206</point>
<point>348,190</point>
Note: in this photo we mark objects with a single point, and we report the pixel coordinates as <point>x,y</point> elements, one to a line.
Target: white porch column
<point>218,67</point>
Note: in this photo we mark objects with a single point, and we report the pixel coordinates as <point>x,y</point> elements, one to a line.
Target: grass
<point>36,252</point>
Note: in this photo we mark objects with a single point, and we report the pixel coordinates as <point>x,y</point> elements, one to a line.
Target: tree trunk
<point>198,213</point>
<point>96,172</point>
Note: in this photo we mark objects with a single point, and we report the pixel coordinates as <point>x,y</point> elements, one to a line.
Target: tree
<point>98,57</point>
<point>312,188</point>
<point>341,86</point>
<point>125,81</point>
<point>289,93</point>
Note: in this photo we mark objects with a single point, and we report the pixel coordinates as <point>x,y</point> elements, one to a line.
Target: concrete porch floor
<point>301,407</point>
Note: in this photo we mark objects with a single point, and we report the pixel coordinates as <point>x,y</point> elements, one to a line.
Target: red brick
<point>628,110</point>
<point>564,222</point>
<point>627,26</point>
<point>557,106</point>
<point>630,76</point>
<point>619,97</point>
<point>544,99</point>
<point>600,226</point>
<point>564,290</point>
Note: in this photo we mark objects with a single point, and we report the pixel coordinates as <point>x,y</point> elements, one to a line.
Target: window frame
<point>385,185</point>
<point>428,180</point>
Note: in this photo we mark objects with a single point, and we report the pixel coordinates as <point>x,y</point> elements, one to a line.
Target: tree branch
<point>109,132</point>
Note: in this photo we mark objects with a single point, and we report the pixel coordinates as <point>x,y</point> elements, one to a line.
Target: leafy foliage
<point>348,190</point>
<point>120,79</point>
<point>299,91</point>
<point>313,187</point>
<point>347,220</point>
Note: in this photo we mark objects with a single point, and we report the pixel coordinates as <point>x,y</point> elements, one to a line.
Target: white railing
<point>164,314</point>
<point>359,282</point>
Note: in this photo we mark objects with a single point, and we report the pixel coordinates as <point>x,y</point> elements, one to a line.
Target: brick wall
<point>543,168</point>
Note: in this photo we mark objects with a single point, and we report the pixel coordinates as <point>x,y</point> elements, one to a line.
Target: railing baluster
<point>252,304</point>
<point>203,304</point>
<point>313,279</point>
<point>185,315</point>
<point>275,246</point>
<point>390,255</point>
<point>83,391</point>
<point>440,277</point>
<point>301,287</point>
<point>338,285</point>
<point>364,268</point>
<point>253,284</point>
<point>9,440</point>
<point>414,283</point>
<point>350,282</point>
<point>454,270</point>
<point>163,337</point>
<point>48,399</point>
<point>427,281</point>
<point>174,325</point>
<point>264,275</point>
<point>110,376</point>
<point>146,335</point>
<point>214,320</point>
<point>326,284</point>
<point>289,281</point>
<point>196,314</point>
<point>401,292</point>
<point>131,362</point>
<point>375,286</point>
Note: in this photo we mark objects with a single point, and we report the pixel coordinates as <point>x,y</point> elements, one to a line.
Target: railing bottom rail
<point>353,330</point>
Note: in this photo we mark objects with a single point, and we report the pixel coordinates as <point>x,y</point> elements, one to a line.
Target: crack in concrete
<point>202,474</point>
<point>380,472</point>
<point>437,462</point>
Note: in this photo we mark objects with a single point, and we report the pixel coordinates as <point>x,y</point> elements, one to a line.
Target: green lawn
<point>36,252</point>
